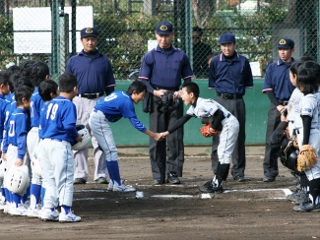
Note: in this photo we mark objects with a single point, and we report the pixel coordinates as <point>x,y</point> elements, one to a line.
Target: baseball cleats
<point>240,179</point>
<point>79,181</point>
<point>299,197</point>
<point>268,179</point>
<point>34,212</point>
<point>211,187</point>
<point>101,180</point>
<point>2,205</point>
<point>295,188</point>
<point>70,217</point>
<point>122,188</point>
<point>307,207</point>
<point>158,181</point>
<point>48,215</point>
<point>173,178</point>
<point>18,211</point>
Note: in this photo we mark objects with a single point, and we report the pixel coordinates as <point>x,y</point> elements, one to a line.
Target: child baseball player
<point>14,146</point>
<point>221,120</point>
<point>38,73</point>
<point>58,133</point>
<point>4,90</point>
<point>290,123</point>
<point>308,83</point>
<point>111,109</point>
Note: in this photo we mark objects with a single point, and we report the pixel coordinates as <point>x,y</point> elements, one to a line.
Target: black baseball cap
<point>285,43</point>
<point>227,38</point>
<point>164,28</point>
<point>89,32</point>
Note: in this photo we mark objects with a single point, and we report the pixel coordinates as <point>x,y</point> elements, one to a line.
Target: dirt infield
<point>248,210</point>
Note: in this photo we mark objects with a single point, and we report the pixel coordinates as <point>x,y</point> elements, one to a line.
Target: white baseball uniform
<point>310,106</point>
<point>230,126</point>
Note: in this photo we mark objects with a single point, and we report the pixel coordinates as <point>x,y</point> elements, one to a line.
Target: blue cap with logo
<point>285,43</point>
<point>227,38</point>
<point>164,28</point>
<point>89,32</point>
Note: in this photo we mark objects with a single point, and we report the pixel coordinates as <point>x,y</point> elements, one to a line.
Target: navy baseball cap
<point>164,28</point>
<point>285,43</point>
<point>89,32</point>
<point>227,38</point>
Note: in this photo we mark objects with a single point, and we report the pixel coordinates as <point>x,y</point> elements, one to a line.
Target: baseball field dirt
<point>247,210</point>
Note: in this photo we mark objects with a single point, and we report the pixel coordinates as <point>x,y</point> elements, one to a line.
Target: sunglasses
<point>195,37</point>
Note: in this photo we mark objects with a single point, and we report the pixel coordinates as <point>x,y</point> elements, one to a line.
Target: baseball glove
<point>206,132</point>
<point>307,158</point>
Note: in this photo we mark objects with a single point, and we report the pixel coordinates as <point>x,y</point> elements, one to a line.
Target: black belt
<point>91,95</point>
<point>229,95</point>
<point>170,89</point>
<point>283,102</point>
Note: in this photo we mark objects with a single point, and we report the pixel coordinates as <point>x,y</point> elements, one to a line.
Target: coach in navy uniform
<point>278,87</point>
<point>95,79</point>
<point>230,74</point>
<point>163,69</point>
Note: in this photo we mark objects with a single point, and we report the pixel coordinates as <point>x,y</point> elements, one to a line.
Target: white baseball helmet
<point>18,179</point>
<point>35,165</point>
<point>85,138</point>
<point>3,168</point>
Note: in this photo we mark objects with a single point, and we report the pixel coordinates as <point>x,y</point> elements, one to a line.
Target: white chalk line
<point>286,192</point>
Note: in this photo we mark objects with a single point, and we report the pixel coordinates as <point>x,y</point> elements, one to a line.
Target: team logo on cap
<point>163,28</point>
<point>89,30</point>
<point>282,42</point>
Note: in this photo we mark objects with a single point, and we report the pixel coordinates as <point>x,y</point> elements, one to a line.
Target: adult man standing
<point>95,78</point>
<point>278,87</point>
<point>162,69</point>
<point>201,54</point>
<point>230,74</point>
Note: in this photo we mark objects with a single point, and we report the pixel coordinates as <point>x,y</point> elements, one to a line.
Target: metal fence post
<point>55,58</point>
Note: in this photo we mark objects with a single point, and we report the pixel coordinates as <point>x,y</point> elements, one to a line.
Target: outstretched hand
<point>164,134</point>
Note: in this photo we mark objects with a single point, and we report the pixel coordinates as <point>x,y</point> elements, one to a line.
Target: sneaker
<point>18,211</point>
<point>70,217</point>
<point>173,178</point>
<point>48,215</point>
<point>122,188</point>
<point>101,180</point>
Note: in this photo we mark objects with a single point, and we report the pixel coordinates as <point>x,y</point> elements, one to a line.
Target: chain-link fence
<point>127,29</point>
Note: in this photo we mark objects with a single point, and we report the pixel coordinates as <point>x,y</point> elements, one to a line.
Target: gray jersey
<point>228,136</point>
<point>206,108</point>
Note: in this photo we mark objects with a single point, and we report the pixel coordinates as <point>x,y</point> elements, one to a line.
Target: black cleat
<point>210,187</point>
<point>267,179</point>
<point>158,181</point>
<point>173,178</point>
<point>79,181</point>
